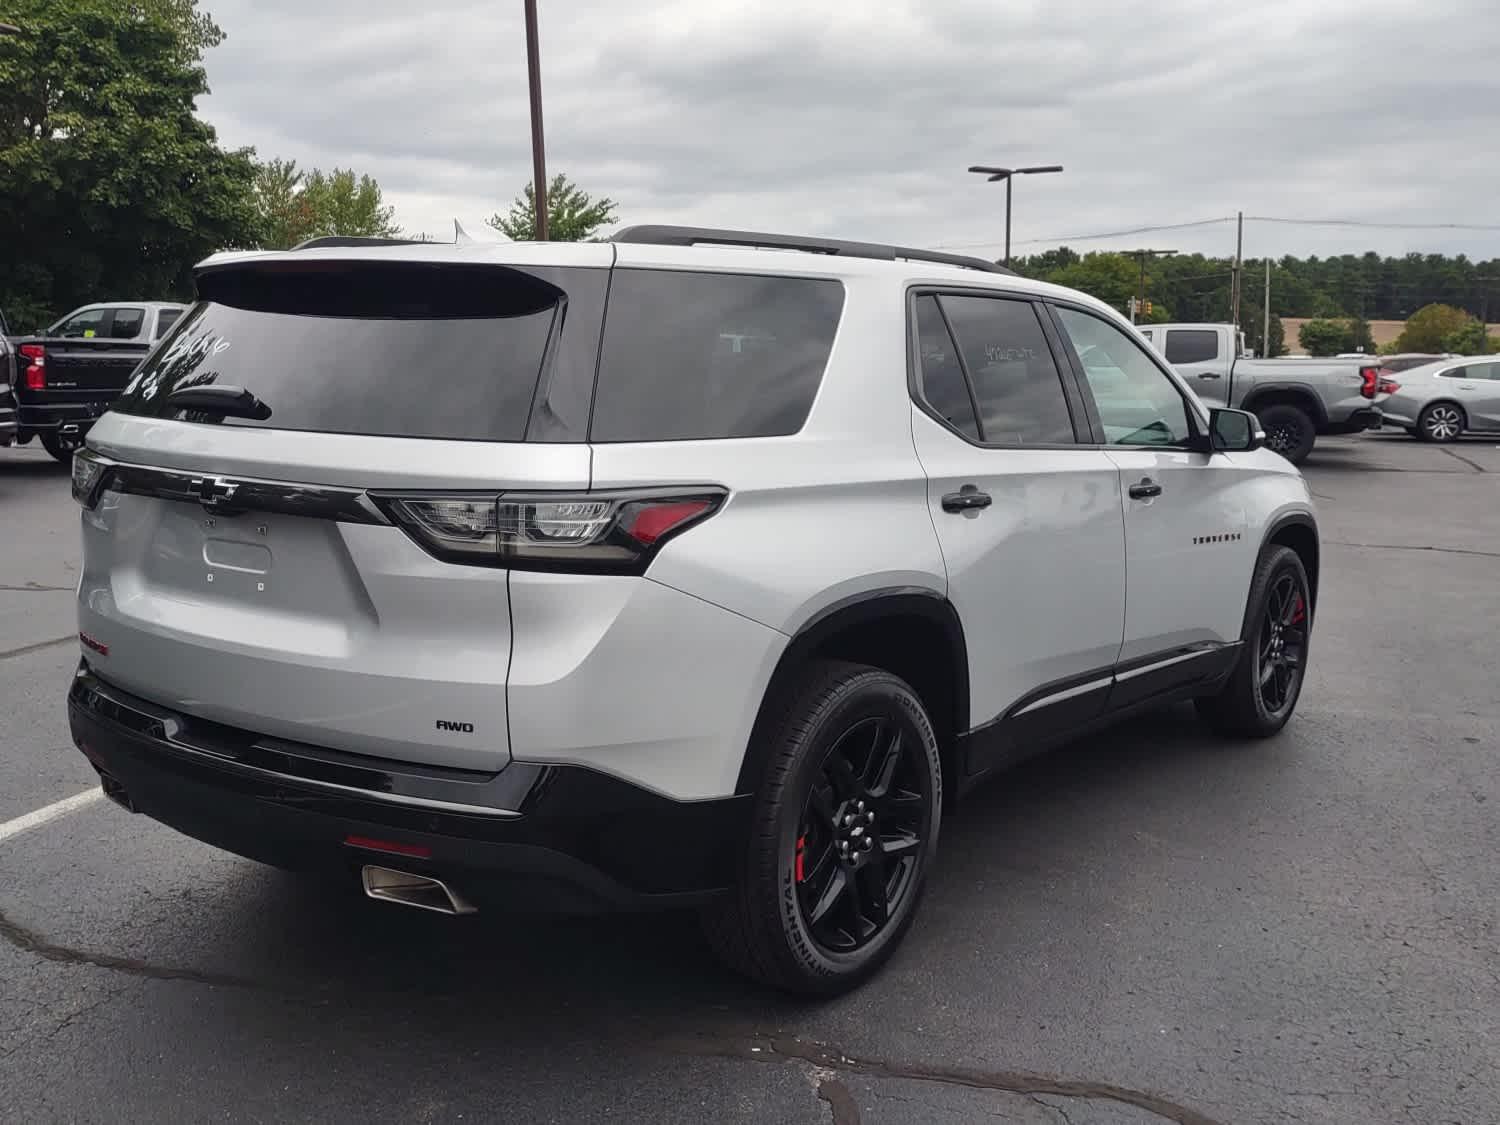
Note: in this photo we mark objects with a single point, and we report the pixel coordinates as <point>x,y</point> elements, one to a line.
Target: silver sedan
<point>1443,400</point>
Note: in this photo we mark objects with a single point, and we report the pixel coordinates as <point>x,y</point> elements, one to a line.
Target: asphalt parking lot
<point>1147,926</point>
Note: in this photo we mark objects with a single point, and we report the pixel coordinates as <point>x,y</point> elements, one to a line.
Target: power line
<point>1090,237</point>
<point>1370,225</point>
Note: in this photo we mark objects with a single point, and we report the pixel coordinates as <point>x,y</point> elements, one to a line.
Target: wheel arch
<point>1299,532</point>
<point>909,631</point>
<point>1304,398</point>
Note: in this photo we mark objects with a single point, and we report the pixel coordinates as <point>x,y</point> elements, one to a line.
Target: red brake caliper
<point>1300,613</point>
<point>801,862</point>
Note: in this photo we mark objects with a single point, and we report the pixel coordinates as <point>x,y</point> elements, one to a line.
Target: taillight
<point>1388,386</point>
<point>1371,378</point>
<point>90,473</point>
<point>607,533</point>
<point>35,376</point>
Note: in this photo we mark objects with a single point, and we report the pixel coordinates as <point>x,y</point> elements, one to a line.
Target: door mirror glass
<point>1235,431</point>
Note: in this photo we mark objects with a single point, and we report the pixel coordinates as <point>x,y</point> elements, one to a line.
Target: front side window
<point>82,326</point>
<point>1137,403</point>
<point>126,324</point>
<point>1016,383</point>
<point>1192,345</point>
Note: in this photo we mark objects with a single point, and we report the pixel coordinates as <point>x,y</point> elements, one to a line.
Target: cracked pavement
<point>1147,926</point>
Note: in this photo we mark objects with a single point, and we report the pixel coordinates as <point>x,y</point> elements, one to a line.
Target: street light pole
<point>1007,174</point>
<point>538,145</point>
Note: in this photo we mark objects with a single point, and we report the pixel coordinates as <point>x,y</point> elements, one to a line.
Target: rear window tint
<point>1192,345</point>
<point>707,355</point>
<point>426,352</point>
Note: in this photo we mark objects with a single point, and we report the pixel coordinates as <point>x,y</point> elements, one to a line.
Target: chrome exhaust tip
<point>386,885</point>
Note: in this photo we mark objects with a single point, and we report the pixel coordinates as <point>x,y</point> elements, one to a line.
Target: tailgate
<point>248,570</point>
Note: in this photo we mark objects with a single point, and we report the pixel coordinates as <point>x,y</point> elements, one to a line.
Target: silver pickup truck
<point>1296,399</point>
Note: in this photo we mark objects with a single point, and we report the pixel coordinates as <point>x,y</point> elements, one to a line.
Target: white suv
<point>693,568</point>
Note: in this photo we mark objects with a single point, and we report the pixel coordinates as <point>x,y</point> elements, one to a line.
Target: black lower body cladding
<point>579,841</point>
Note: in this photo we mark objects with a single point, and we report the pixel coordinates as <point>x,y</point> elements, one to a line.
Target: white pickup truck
<point>1296,399</point>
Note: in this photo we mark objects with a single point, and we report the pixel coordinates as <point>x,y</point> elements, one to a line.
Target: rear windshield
<point>706,355</point>
<point>398,351</point>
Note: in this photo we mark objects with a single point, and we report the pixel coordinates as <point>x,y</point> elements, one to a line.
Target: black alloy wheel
<point>842,836</point>
<point>861,832</point>
<point>1281,644</point>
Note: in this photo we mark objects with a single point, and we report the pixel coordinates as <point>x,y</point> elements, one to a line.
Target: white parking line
<point>49,812</point>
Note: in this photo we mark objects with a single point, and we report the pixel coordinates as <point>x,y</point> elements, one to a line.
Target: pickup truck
<point>68,374</point>
<point>1295,399</point>
<point>7,394</point>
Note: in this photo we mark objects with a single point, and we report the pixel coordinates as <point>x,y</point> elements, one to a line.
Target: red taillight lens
<point>1388,387</point>
<point>614,533</point>
<point>1371,377</point>
<point>390,847</point>
<point>35,376</point>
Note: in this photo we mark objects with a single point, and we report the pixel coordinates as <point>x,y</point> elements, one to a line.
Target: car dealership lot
<point>1145,926</point>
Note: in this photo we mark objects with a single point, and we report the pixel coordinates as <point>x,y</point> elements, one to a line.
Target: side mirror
<point>1235,431</point>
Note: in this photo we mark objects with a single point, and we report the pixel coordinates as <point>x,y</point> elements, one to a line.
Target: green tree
<point>1429,326</point>
<point>1254,323</point>
<point>572,214</point>
<point>109,182</point>
<point>1360,338</point>
<point>1324,337</point>
<point>295,206</point>
<point>1113,278</point>
<point>1471,339</point>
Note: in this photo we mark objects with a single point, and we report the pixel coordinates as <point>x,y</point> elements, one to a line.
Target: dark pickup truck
<point>66,376</point>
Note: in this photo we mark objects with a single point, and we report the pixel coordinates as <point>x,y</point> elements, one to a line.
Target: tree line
<point>112,187</point>
<point>1345,292</point>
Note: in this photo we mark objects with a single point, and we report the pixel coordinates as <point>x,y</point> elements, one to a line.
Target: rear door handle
<point>967,498</point>
<point>1145,490</point>
<point>1209,375</point>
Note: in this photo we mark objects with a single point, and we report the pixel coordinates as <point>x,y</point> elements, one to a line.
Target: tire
<point>769,927</point>
<point>1441,422</point>
<point>1289,431</point>
<point>1244,708</point>
<point>61,448</point>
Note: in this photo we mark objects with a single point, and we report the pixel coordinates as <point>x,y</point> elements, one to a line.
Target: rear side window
<point>127,324</point>
<point>1192,345</point>
<point>1016,382</point>
<point>708,355</point>
<point>164,321</point>
<point>940,375</point>
<point>396,351</point>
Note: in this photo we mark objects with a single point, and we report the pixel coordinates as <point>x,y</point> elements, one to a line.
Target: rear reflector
<point>391,847</point>
<point>90,643</point>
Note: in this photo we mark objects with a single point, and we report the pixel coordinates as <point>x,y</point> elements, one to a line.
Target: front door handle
<point>1209,375</point>
<point>968,498</point>
<point>1145,490</point>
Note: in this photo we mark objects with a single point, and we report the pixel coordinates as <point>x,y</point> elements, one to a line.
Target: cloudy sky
<point>857,118</point>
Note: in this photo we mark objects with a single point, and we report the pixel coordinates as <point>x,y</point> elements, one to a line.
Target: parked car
<point>70,372</point>
<point>1295,399</point>
<point>722,600</point>
<point>1444,400</point>
<point>7,393</point>
<point>1405,361</point>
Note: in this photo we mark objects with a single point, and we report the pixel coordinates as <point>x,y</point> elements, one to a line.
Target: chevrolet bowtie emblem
<point>213,492</point>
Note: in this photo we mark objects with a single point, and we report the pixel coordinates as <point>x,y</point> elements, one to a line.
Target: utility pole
<point>538,145</point>
<point>1238,283</point>
<point>1265,331</point>
<point>1484,299</point>
<point>1140,295</point>
<point>1007,174</point>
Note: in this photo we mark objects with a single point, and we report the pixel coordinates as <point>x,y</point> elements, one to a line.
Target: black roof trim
<point>695,236</point>
<point>330,240</point>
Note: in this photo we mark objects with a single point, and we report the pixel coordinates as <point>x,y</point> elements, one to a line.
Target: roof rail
<point>328,240</point>
<point>696,236</point>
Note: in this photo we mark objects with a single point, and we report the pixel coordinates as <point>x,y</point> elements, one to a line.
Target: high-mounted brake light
<point>34,378</point>
<point>609,533</point>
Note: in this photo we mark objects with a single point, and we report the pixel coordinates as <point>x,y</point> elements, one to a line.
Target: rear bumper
<point>1369,418</point>
<point>556,838</point>
<point>43,417</point>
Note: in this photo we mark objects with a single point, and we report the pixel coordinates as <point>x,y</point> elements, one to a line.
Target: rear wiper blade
<point>220,398</point>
